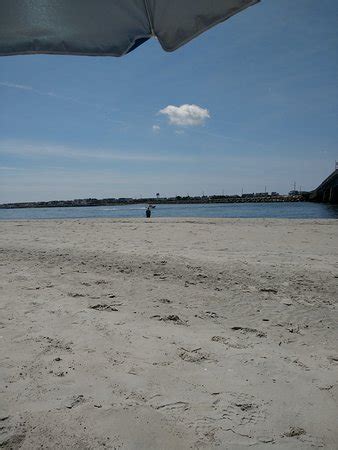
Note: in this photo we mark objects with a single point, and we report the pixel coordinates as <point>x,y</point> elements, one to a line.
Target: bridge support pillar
<point>326,195</point>
<point>333,198</point>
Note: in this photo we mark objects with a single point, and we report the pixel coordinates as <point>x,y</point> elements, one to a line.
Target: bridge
<point>327,191</point>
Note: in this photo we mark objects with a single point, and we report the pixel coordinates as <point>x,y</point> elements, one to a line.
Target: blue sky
<point>75,127</point>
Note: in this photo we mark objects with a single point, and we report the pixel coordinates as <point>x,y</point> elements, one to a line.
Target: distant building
<point>125,199</point>
<point>248,195</point>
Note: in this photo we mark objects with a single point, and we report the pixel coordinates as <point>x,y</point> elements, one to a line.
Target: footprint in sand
<point>158,402</point>
<point>246,330</point>
<point>239,408</point>
<point>103,307</point>
<point>75,401</point>
<point>229,343</point>
<point>195,356</point>
<point>176,320</point>
<point>13,441</point>
<point>55,344</point>
<point>294,432</point>
<point>174,406</point>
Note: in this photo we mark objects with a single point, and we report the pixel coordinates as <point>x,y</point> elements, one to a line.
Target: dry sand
<point>169,334</point>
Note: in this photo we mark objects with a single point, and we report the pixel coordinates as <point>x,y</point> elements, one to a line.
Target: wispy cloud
<point>51,153</point>
<point>185,115</point>
<point>38,149</point>
<point>25,87</point>
<point>156,128</point>
<point>104,112</point>
<point>10,168</point>
<point>16,86</point>
<point>235,140</point>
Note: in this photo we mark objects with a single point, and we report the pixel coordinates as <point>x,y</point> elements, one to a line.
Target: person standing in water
<point>148,212</point>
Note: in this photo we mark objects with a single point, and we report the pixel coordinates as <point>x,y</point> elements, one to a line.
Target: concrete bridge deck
<point>327,191</point>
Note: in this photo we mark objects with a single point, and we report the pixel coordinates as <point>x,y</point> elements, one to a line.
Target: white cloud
<point>185,115</point>
<point>156,128</point>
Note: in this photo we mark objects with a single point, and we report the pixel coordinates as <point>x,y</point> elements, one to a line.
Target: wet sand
<point>169,334</point>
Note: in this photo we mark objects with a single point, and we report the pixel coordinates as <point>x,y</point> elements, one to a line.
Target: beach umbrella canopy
<point>106,27</point>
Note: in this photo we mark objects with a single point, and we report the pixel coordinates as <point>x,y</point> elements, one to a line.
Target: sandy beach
<point>169,334</point>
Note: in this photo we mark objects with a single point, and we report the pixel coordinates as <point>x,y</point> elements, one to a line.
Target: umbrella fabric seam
<point>151,26</point>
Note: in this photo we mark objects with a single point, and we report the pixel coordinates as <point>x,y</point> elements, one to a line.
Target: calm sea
<point>235,210</point>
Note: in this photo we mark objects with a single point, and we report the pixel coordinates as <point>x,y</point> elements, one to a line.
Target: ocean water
<point>302,210</point>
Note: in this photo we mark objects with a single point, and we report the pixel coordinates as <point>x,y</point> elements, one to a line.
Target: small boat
<point>152,206</point>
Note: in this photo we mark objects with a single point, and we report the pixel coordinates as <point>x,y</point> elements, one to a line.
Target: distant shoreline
<point>182,200</point>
